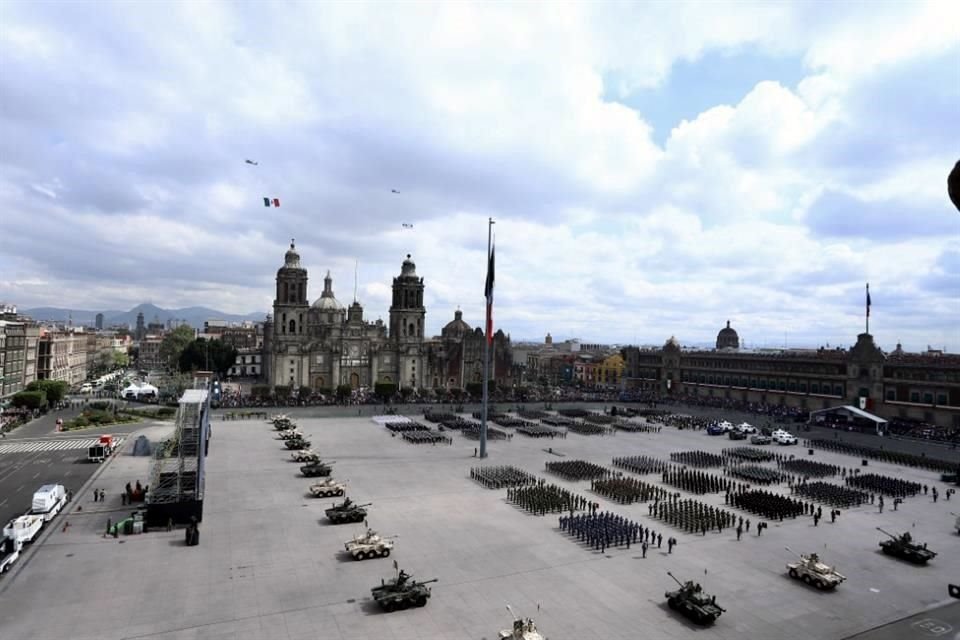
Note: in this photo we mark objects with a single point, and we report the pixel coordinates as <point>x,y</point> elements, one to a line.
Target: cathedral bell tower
<point>407,318</point>
<point>290,309</point>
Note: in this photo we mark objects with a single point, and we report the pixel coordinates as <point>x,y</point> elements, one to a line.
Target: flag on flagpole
<point>271,202</point>
<point>488,292</point>
<point>868,300</point>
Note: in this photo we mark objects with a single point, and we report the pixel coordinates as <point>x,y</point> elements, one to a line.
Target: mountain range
<point>194,316</point>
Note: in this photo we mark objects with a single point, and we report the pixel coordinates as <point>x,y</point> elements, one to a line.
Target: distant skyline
<point>654,169</point>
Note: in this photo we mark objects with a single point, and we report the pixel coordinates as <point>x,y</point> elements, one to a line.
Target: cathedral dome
<point>728,338</point>
<point>327,301</point>
<point>408,269</point>
<point>457,326</point>
<point>291,259</point>
<point>672,344</point>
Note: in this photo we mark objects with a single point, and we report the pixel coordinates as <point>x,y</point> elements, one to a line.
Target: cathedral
<point>324,345</point>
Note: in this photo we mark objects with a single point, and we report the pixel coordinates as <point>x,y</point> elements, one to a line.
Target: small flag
<point>488,292</point>
<point>407,225</point>
<point>868,300</point>
<point>271,202</point>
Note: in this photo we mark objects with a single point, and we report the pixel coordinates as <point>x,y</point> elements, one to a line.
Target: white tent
<point>148,390</point>
<point>131,390</point>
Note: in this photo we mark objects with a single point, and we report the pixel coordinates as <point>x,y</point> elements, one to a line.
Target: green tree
<point>174,343</point>
<point>30,399</point>
<point>208,355</point>
<point>53,390</point>
<point>102,363</point>
<point>385,390</point>
<point>343,392</point>
<point>261,391</point>
<point>120,359</point>
<point>304,392</point>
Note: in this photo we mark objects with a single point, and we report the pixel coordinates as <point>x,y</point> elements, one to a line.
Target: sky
<point>653,169</point>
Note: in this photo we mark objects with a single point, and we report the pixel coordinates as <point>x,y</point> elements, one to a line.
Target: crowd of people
<point>624,490</point>
<point>696,481</point>
<point>907,459</point>
<point>501,477</point>
<point>697,458</point>
<point>641,464</point>
<point>830,494</point>
<point>885,485</point>
<point>578,470</point>
<point>603,530</point>
<point>542,498</point>
<point>691,515</point>
<point>810,468</point>
<point>767,504</point>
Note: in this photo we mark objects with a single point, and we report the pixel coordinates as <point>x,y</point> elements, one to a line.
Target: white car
<point>746,427</point>
<point>783,437</point>
<point>726,426</point>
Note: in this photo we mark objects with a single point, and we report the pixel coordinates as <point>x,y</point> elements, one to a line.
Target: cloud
<point>124,131</point>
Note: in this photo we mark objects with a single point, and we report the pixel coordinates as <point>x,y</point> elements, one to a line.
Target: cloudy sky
<point>653,169</point>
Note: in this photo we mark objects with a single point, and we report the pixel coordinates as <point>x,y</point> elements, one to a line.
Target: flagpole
<point>486,354</point>
<point>868,308</point>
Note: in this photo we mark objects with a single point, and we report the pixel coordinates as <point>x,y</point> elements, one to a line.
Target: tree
<point>261,391</point>
<point>304,393</point>
<point>30,399</point>
<point>174,343</point>
<point>53,390</point>
<point>343,392</point>
<point>120,359</point>
<point>211,355</point>
<point>385,390</point>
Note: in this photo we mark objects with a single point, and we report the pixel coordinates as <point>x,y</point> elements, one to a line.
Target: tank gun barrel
<point>793,552</point>
<point>674,578</point>
<point>363,505</point>
<point>426,581</point>
<point>886,532</point>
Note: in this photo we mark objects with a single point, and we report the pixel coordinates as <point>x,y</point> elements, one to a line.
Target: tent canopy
<point>851,411</point>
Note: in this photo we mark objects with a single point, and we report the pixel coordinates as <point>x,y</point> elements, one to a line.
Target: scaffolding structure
<point>177,477</point>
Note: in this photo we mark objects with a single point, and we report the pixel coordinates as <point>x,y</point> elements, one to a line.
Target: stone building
<point>324,344</point>
<point>922,386</point>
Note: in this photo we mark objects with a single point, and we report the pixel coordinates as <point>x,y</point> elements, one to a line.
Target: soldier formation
<point>749,453</point>
<point>755,474</point>
<point>405,426</point>
<point>809,468</point>
<point>767,504</point>
<point>641,464</point>
<point>604,530</point>
<point>426,437</point>
<point>697,458</point>
<point>507,421</point>
<point>696,481</point>
<point>578,470</point>
<point>501,477</point>
<point>537,431</point>
<point>628,490</point>
<point>885,485</point>
<point>636,427</point>
<point>906,459</point>
<point>541,499</point>
<point>831,494</point>
<point>691,516</point>
<point>589,429</point>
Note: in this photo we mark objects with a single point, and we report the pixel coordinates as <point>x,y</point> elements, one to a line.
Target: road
<point>943,622</point>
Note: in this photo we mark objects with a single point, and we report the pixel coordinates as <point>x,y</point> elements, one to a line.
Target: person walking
<point>739,532</point>
<point>644,547</point>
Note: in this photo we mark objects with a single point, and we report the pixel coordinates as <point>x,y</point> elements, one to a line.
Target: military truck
<point>317,469</point>
<point>328,488</point>
<point>693,602</point>
<point>347,511</point>
<point>903,547</point>
<point>305,455</point>
<point>369,545</point>
<point>522,629</point>
<point>813,572</point>
<point>297,443</point>
<point>401,592</point>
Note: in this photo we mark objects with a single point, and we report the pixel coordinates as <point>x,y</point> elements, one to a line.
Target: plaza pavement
<point>270,566</point>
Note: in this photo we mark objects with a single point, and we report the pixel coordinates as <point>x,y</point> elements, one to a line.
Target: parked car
<point>783,437</point>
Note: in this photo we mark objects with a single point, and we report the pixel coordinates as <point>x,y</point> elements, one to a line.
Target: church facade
<point>324,344</point>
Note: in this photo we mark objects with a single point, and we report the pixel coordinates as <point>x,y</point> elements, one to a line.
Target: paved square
<point>270,566</point>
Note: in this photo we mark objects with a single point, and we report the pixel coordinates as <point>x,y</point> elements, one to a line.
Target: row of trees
<point>384,391</point>
<point>41,394</point>
<point>182,352</point>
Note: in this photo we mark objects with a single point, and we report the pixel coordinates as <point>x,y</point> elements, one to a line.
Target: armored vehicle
<point>317,469</point>
<point>347,511</point>
<point>813,572</point>
<point>693,602</point>
<point>902,546</point>
<point>297,443</point>
<point>522,629</point>
<point>281,422</point>
<point>327,488</point>
<point>401,592</point>
<point>369,545</point>
<point>957,523</point>
<point>290,434</point>
<point>305,455</point>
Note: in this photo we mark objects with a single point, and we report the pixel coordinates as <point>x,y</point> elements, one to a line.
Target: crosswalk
<point>53,444</point>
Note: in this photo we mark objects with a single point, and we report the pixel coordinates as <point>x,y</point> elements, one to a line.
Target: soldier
<point>881,504</point>
<point>739,532</point>
<point>659,540</point>
<point>670,543</point>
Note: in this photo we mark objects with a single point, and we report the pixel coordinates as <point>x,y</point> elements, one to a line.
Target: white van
<point>48,500</point>
<point>783,437</point>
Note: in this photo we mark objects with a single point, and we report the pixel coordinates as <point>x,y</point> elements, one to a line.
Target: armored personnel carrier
<point>290,434</point>
<point>282,422</point>
<point>522,629</point>
<point>693,602</point>
<point>401,592</point>
<point>369,545</point>
<point>317,469</point>
<point>297,443</point>
<point>813,572</point>
<point>305,455</point>
<point>902,546</point>
<point>328,488</point>
<point>347,511</point>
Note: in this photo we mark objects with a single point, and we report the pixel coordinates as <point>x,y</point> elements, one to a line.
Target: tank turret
<point>402,592</point>
<point>369,545</point>
<point>347,511</point>
<point>693,602</point>
<point>317,469</point>
<point>327,488</point>
<point>523,629</point>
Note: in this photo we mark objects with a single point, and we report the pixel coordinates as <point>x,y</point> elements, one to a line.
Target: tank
<point>903,546</point>
<point>328,488</point>
<point>317,469</point>
<point>693,602</point>
<point>401,592</point>
<point>289,434</point>
<point>522,629</point>
<point>297,443</point>
<point>347,511</point>
<point>281,422</point>
<point>369,545</point>
<point>305,455</point>
<point>814,572</point>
